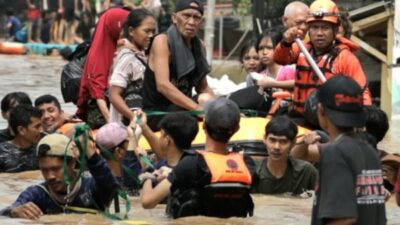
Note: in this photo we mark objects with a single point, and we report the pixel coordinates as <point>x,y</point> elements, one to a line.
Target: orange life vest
<point>227,168</point>
<point>307,80</point>
<point>339,60</point>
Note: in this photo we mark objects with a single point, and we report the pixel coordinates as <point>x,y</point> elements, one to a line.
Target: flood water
<point>39,75</point>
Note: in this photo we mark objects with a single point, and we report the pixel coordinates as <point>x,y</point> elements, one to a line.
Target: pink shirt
<point>286,73</point>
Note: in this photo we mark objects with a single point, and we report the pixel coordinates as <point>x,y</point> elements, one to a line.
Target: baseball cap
<point>185,4</point>
<point>222,115</point>
<point>111,135</point>
<point>55,145</point>
<point>342,99</point>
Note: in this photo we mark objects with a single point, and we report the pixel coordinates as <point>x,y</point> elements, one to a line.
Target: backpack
<point>72,73</point>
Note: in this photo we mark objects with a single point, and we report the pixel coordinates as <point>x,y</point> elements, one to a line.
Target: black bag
<point>249,98</point>
<point>72,73</point>
<point>311,108</point>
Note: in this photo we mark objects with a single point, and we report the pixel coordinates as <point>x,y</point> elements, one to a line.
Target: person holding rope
<point>57,159</point>
<point>332,53</point>
<point>176,65</point>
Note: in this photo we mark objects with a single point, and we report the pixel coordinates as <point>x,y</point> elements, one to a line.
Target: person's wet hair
<point>21,116</point>
<point>346,24</point>
<point>46,99</point>
<point>274,36</point>
<point>14,98</point>
<point>376,122</point>
<point>282,126</point>
<point>181,127</point>
<point>135,19</point>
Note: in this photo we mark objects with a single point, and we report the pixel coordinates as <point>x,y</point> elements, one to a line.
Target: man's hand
<point>292,33</point>
<point>27,211</point>
<point>162,173</point>
<point>311,138</point>
<point>146,176</point>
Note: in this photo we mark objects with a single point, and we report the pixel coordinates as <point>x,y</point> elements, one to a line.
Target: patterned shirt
<point>14,159</point>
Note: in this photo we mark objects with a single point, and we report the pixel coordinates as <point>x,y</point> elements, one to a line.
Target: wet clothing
<point>129,183</point>
<point>350,183</point>
<point>339,60</point>
<point>128,73</point>
<point>5,135</point>
<point>96,72</point>
<point>191,181</point>
<point>101,187</point>
<point>14,159</point>
<point>187,68</point>
<point>15,24</point>
<point>299,176</point>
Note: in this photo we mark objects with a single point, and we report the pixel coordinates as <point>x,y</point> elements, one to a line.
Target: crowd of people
<point>137,83</point>
<point>66,21</point>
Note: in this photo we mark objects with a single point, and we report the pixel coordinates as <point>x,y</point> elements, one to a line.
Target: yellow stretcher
<point>249,137</point>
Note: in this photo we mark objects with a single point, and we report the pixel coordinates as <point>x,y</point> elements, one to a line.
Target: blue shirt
<point>15,25</point>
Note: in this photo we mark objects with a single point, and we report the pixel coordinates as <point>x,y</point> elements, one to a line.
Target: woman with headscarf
<point>92,101</point>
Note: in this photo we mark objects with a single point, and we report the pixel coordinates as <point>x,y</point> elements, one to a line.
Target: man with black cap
<point>350,188</point>
<point>86,194</point>
<point>177,64</point>
<point>214,182</point>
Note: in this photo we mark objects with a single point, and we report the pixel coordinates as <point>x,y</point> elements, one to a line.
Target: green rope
<point>83,130</point>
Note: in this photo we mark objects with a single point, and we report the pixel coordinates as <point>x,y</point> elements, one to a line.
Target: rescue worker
<point>332,53</point>
<point>213,182</point>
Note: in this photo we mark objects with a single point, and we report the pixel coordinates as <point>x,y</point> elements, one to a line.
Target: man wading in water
<point>54,196</point>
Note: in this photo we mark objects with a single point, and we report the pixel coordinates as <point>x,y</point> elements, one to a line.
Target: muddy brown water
<point>39,75</point>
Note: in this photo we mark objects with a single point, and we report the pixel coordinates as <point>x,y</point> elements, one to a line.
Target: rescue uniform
<point>339,60</point>
<point>211,184</point>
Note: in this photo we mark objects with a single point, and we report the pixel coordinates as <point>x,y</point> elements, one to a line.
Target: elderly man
<point>177,64</point>
<point>295,15</point>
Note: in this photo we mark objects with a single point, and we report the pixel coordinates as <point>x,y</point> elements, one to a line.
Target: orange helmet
<point>323,10</point>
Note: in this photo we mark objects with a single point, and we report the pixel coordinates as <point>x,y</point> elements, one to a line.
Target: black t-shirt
<point>350,183</point>
<point>13,159</point>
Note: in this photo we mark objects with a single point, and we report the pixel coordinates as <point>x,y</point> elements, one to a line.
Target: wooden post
<point>209,30</point>
<point>386,78</point>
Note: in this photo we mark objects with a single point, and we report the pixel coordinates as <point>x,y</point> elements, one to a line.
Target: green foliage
<point>244,7</point>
